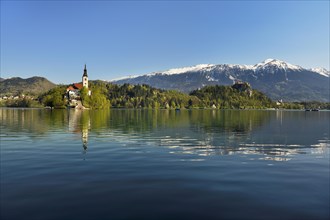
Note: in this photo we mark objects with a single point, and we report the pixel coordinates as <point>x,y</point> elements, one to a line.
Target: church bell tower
<point>85,78</point>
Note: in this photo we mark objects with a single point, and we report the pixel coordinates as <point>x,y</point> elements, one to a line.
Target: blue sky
<point>55,39</point>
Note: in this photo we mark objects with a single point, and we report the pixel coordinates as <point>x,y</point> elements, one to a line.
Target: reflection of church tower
<point>79,123</point>
<point>84,137</point>
<point>85,78</point>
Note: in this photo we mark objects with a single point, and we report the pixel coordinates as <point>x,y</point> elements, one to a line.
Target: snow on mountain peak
<point>321,71</point>
<point>236,66</point>
<point>276,63</point>
<point>199,67</point>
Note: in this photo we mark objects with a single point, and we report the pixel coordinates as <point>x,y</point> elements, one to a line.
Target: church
<point>73,90</point>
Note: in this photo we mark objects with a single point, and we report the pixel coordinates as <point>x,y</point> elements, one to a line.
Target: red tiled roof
<point>78,85</point>
<point>74,86</point>
<point>70,88</point>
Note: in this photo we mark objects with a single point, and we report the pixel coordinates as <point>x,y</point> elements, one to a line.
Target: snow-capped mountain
<point>276,78</point>
<point>200,67</point>
<point>321,71</point>
<point>276,65</point>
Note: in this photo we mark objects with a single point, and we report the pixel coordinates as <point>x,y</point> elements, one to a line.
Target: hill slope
<point>30,86</point>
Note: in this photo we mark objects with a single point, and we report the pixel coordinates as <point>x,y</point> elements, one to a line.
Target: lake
<point>164,164</point>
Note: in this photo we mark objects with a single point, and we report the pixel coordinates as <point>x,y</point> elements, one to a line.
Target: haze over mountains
<point>276,78</point>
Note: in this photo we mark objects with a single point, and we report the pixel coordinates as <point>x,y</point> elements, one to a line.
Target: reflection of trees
<point>235,121</point>
<point>207,120</point>
<point>99,119</point>
<point>271,135</point>
<point>212,128</point>
<point>37,121</point>
<point>131,121</point>
<point>201,132</point>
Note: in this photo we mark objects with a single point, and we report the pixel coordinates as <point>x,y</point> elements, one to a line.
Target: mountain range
<point>277,79</point>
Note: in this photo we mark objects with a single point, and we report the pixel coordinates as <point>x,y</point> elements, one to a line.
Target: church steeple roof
<point>85,71</point>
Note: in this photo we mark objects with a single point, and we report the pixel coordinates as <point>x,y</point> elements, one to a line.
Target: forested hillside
<point>231,97</point>
<point>108,95</point>
<point>145,96</point>
<point>31,86</point>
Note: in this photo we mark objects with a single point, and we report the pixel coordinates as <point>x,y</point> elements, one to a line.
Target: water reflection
<point>80,122</point>
<point>266,135</point>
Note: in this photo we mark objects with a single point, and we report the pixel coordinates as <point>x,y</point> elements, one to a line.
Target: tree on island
<point>97,99</point>
<point>54,98</point>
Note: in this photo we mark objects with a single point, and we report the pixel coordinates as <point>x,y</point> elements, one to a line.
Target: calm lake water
<point>164,164</point>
